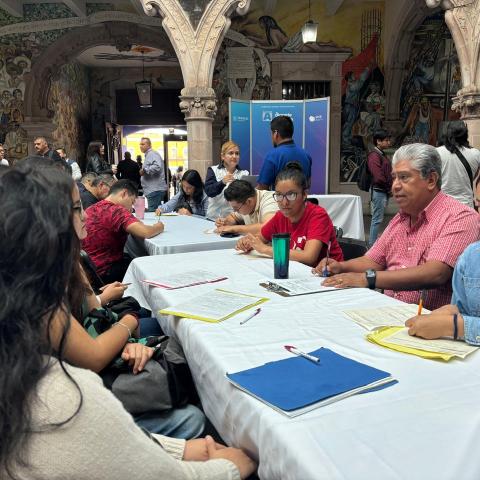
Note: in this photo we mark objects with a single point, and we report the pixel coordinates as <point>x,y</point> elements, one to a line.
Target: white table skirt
<point>425,427</point>
<point>182,234</point>
<point>346,212</point>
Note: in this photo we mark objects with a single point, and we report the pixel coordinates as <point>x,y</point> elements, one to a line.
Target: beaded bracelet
<point>124,326</point>
<point>455,326</point>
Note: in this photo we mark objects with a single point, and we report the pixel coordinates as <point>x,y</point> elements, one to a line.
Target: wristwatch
<point>371,278</point>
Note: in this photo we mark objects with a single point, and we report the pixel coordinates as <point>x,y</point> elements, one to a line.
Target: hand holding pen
<point>420,303</point>
<point>325,272</point>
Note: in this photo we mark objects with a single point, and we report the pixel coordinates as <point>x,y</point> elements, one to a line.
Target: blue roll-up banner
<point>240,120</point>
<point>250,129</point>
<point>316,141</point>
<point>263,112</point>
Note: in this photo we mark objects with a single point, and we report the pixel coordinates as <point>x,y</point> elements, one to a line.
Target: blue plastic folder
<point>296,385</point>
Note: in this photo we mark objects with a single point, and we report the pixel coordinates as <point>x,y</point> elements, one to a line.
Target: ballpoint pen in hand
<point>420,303</point>
<point>325,269</point>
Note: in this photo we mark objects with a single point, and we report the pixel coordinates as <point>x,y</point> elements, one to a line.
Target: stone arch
<point>70,45</point>
<point>196,49</point>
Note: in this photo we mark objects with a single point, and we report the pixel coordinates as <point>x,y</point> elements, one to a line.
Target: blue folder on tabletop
<point>296,385</point>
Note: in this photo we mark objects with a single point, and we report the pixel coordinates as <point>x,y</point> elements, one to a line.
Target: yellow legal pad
<point>397,338</point>
<point>214,306</point>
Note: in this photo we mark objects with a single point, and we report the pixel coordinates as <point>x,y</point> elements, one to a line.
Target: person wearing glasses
<point>311,229</point>
<point>420,246</point>
<point>251,209</point>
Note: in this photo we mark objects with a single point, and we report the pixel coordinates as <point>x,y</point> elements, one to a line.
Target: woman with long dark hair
<point>460,163</point>
<point>96,159</point>
<point>53,416</point>
<point>190,198</point>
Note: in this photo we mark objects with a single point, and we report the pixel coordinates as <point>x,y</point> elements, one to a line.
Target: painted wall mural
<point>69,100</point>
<point>432,78</point>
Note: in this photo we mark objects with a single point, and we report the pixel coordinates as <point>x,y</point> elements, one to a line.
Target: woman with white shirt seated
<point>219,177</point>
<point>55,416</point>
<point>190,199</point>
<point>461,319</point>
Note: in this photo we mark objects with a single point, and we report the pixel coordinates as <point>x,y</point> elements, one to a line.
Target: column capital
<point>468,105</point>
<point>198,103</point>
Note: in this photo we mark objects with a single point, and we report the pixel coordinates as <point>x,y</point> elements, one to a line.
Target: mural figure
<point>351,106</point>
<point>278,40</point>
<point>432,73</point>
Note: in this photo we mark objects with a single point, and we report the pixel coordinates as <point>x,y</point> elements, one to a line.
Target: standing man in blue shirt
<point>284,151</point>
<point>153,179</point>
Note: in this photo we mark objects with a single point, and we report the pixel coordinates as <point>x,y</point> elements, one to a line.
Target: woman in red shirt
<point>309,225</point>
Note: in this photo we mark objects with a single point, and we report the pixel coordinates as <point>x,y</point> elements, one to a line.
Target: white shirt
<point>455,181</point>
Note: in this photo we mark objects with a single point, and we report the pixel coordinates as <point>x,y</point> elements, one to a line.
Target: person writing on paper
<point>309,225</point>
<point>461,319</point>
<point>251,209</point>
<point>421,244</point>
<point>50,409</point>
<point>109,222</point>
<point>220,176</point>
<point>190,199</point>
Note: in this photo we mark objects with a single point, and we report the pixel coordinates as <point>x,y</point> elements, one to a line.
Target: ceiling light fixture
<point>309,30</point>
<point>145,87</point>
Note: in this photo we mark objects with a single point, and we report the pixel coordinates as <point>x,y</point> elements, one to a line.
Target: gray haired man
<point>153,179</point>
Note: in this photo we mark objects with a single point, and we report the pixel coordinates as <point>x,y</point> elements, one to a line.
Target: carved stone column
<point>196,42</point>
<point>198,104</point>
<point>463,20</point>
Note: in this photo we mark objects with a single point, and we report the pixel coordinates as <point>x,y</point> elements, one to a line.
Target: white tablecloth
<point>346,212</point>
<point>425,427</point>
<point>182,234</point>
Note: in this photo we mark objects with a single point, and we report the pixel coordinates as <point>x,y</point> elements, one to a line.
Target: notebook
<point>295,385</point>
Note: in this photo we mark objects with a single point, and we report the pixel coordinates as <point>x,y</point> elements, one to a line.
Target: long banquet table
<point>425,427</point>
<point>182,234</point>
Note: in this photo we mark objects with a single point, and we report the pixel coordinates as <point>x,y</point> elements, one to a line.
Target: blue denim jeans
<point>149,327</point>
<point>155,198</point>
<point>186,422</point>
<point>378,204</point>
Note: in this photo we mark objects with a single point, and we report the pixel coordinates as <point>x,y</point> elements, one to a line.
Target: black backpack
<point>364,179</point>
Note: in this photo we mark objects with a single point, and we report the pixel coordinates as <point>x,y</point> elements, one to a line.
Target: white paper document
<point>450,347</point>
<point>185,279</point>
<point>390,316</point>
<point>214,306</point>
<point>300,286</point>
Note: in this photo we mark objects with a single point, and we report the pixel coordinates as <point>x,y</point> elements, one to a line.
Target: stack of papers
<point>295,385</point>
<point>391,316</point>
<point>214,306</point>
<point>387,328</point>
<point>397,338</point>
<point>185,279</point>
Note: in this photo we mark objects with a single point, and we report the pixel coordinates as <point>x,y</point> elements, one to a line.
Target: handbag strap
<point>462,158</point>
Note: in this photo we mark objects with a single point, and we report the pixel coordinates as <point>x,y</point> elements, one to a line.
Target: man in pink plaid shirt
<point>421,244</point>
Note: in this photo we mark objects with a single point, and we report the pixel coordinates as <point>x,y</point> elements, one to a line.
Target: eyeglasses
<point>237,209</point>
<point>290,196</point>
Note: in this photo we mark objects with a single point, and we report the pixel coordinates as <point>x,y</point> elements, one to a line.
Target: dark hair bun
<point>293,166</point>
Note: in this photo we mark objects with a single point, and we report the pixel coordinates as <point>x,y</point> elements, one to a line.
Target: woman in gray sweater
<point>58,421</point>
